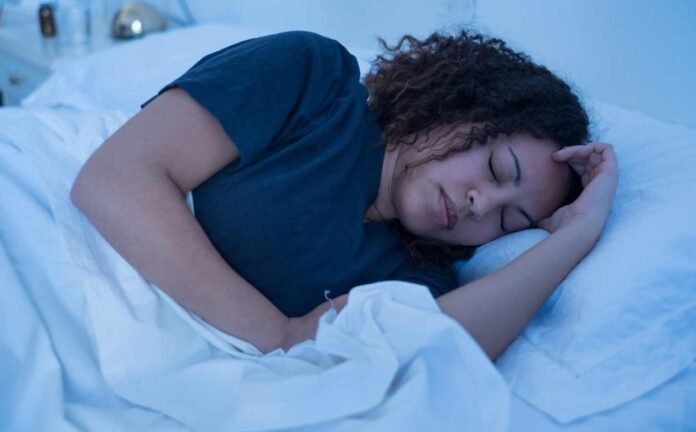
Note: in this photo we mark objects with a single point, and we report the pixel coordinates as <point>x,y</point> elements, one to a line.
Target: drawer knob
<point>15,80</point>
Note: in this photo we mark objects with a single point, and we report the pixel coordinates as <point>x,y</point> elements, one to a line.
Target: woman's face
<point>477,195</point>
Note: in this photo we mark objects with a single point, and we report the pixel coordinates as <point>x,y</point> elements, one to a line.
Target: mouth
<point>450,210</point>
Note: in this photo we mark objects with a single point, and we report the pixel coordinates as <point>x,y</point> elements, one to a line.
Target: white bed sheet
<point>88,344</point>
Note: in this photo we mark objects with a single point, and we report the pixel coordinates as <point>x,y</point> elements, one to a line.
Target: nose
<point>481,202</point>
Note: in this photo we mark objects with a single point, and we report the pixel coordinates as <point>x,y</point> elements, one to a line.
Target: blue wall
<point>635,53</point>
<point>639,54</point>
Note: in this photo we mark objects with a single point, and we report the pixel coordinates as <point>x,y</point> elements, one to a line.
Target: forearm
<point>144,217</point>
<point>496,308</point>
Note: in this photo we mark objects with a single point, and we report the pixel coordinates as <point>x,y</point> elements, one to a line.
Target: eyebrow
<point>518,178</point>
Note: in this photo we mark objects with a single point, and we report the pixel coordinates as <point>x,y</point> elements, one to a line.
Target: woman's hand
<point>596,164</point>
<point>305,327</point>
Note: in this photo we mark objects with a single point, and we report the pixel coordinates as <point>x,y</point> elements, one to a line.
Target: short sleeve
<point>263,89</point>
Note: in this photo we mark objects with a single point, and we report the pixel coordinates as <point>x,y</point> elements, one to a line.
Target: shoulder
<point>302,37</point>
<point>290,50</point>
<point>302,43</point>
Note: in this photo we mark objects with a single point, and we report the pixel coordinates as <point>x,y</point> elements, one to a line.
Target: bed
<point>88,344</point>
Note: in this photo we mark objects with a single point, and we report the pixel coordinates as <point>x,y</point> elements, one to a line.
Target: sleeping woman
<point>307,179</point>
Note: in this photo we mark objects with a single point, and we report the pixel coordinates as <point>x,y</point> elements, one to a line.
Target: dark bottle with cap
<point>47,20</point>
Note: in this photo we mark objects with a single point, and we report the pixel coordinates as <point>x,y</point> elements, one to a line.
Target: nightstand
<point>27,58</point>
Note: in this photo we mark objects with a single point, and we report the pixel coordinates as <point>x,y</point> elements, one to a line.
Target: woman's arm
<point>494,309</point>
<point>132,189</point>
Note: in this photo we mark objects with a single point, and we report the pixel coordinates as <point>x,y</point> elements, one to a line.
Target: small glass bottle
<point>47,21</point>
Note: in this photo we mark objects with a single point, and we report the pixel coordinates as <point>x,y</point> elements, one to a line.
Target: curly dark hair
<point>468,78</point>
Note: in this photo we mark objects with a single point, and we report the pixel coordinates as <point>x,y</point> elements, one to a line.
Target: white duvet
<point>88,344</point>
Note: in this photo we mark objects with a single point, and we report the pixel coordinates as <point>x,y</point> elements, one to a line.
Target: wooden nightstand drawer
<point>19,78</point>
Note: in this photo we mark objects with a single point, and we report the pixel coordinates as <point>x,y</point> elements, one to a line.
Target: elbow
<point>493,354</point>
<point>492,347</point>
<point>77,192</point>
<point>88,186</point>
<point>490,351</point>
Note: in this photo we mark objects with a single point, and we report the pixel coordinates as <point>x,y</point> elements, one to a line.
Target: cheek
<point>410,202</point>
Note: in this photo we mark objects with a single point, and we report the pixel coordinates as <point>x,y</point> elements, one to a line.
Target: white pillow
<point>128,74</point>
<point>124,76</point>
<point>493,255</point>
<point>624,321</point>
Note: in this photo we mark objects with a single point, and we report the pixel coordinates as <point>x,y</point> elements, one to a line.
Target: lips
<point>451,209</point>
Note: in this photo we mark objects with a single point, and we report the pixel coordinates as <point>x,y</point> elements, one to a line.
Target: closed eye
<point>490,166</point>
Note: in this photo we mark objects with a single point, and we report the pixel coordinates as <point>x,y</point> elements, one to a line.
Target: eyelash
<point>490,167</point>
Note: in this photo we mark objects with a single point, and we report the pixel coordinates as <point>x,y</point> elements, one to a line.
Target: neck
<point>382,209</point>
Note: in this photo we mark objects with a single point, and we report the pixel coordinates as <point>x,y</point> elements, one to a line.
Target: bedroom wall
<point>639,54</point>
<point>356,22</point>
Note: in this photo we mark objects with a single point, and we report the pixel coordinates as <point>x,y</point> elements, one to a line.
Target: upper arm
<point>173,136</point>
<point>269,91</point>
<point>258,92</point>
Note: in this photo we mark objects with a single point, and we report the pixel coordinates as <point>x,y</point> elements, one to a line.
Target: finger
<point>603,159</point>
<point>583,149</point>
<point>604,150</point>
<point>566,151</point>
<point>609,155</point>
<point>595,160</point>
<point>579,167</point>
<point>573,152</point>
<point>585,179</point>
<point>601,145</point>
<point>582,163</point>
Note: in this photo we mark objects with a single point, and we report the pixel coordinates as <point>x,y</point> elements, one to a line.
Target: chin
<point>408,218</point>
<point>414,228</point>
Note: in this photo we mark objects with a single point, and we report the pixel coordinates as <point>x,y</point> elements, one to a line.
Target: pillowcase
<point>126,75</point>
<point>623,321</point>
<point>494,255</point>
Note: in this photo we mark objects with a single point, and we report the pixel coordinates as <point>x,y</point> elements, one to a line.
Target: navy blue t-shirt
<point>288,214</point>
